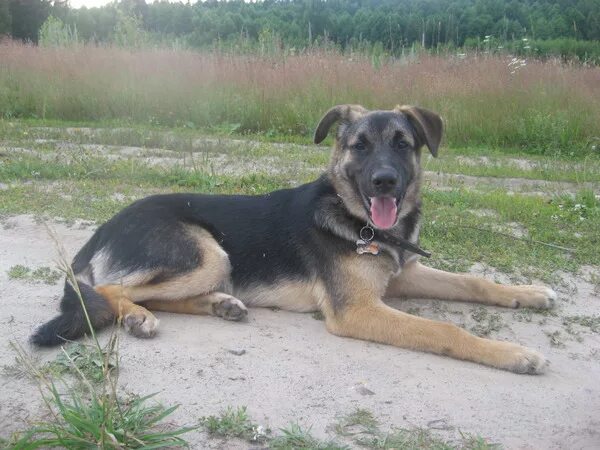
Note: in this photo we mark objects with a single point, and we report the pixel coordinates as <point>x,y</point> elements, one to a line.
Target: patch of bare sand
<point>293,370</point>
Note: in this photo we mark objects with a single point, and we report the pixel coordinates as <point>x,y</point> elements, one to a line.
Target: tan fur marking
<point>212,273</point>
<point>418,281</point>
<point>288,295</point>
<point>119,299</point>
<point>202,304</point>
<point>339,178</point>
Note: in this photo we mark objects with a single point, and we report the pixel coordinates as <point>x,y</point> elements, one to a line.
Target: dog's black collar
<point>367,234</point>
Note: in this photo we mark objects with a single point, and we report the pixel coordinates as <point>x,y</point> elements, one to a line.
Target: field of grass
<point>537,107</point>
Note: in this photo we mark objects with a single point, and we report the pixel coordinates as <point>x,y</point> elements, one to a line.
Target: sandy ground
<point>294,371</point>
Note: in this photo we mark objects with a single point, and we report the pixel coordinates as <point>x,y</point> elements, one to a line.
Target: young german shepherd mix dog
<point>340,244</point>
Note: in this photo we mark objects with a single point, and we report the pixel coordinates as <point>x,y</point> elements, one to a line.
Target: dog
<point>339,245</point>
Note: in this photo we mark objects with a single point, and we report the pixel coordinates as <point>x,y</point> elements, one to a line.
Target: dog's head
<point>375,165</point>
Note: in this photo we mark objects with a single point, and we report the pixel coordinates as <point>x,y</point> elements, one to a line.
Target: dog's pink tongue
<point>383,211</point>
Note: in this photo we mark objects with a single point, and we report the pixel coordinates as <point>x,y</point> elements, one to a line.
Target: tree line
<point>391,24</point>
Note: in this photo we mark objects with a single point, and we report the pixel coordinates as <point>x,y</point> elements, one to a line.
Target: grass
<point>83,358</point>
<point>91,414</point>
<point>364,429</point>
<point>83,185</point>
<point>487,322</point>
<point>459,237</point>
<point>44,274</point>
<point>294,437</point>
<point>592,323</point>
<point>544,108</point>
<point>556,338</point>
<point>467,162</point>
<point>235,422</point>
<point>473,161</point>
<point>357,428</point>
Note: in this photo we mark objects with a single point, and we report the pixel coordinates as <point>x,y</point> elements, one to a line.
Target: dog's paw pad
<point>230,308</point>
<point>141,324</point>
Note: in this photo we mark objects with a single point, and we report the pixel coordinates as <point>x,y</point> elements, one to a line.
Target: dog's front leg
<point>353,308</point>
<point>373,320</point>
<point>419,281</point>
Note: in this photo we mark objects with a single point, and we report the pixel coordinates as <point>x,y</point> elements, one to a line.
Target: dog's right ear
<point>346,113</point>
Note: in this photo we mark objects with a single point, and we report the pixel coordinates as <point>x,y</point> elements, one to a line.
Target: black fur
<point>71,323</point>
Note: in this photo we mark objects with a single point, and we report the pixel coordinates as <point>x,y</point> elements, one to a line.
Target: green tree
<point>5,18</point>
<point>27,18</point>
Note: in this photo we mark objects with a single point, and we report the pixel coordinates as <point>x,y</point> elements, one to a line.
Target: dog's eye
<point>360,146</point>
<point>402,145</point>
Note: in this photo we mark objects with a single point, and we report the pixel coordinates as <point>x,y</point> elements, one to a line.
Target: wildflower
<point>258,433</point>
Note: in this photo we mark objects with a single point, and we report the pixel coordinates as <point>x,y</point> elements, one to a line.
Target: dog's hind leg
<point>194,291</point>
<point>214,304</point>
<point>418,281</point>
<point>137,320</point>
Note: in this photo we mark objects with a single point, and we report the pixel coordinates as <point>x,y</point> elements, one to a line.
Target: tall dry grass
<point>539,106</point>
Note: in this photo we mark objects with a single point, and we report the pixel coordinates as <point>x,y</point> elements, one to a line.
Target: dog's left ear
<point>427,124</point>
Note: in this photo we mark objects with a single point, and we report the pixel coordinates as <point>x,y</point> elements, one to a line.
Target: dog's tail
<point>71,323</point>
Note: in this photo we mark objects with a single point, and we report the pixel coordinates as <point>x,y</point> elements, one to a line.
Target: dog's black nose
<point>384,180</point>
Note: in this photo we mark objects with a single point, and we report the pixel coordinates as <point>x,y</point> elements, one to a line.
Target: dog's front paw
<point>230,308</point>
<point>524,360</point>
<point>141,323</point>
<point>533,296</point>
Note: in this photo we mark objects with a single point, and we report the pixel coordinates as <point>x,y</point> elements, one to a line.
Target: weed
<point>523,315</point>
<point>235,423</point>
<point>590,322</point>
<point>360,421</point>
<point>82,358</point>
<point>556,338</point>
<point>364,430</point>
<point>294,437</point>
<point>40,275</point>
<point>486,322</point>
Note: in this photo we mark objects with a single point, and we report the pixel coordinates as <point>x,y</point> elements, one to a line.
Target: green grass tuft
<point>235,423</point>
<point>364,430</point>
<point>40,275</point>
<point>294,437</point>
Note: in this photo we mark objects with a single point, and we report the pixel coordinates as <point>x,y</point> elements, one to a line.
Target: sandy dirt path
<point>293,370</point>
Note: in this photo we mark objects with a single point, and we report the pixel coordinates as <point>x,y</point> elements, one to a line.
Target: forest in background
<point>566,28</point>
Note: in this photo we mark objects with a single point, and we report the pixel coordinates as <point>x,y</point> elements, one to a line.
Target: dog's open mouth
<point>383,211</point>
